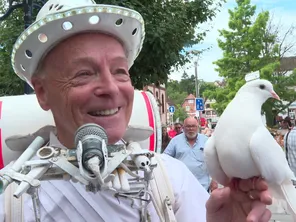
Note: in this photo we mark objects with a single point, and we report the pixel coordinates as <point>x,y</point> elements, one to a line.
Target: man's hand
<point>246,203</point>
<point>213,185</point>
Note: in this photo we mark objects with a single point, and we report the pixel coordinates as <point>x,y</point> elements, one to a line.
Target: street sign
<point>199,104</point>
<point>171,109</point>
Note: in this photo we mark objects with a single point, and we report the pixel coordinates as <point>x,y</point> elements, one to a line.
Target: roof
<point>190,97</point>
<point>170,102</point>
<point>288,63</point>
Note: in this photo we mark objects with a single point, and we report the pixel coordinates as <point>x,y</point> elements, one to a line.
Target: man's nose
<point>107,85</point>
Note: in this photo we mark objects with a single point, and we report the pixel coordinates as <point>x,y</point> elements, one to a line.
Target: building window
<point>187,108</point>
<point>162,103</point>
<point>156,95</point>
<point>214,113</point>
<point>208,113</point>
<point>191,101</point>
<point>208,106</point>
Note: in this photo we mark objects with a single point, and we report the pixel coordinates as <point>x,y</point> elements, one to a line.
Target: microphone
<point>92,140</point>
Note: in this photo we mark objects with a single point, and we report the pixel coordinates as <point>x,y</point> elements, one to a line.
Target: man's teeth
<point>105,112</point>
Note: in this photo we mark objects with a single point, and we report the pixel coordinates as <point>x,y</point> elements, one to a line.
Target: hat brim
<point>34,43</point>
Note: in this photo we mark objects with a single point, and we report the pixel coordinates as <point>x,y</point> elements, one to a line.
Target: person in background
<point>165,138</point>
<point>290,145</point>
<point>176,130</point>
<point>188,147</point>
<point>207,131</point>
<point>172,132</point>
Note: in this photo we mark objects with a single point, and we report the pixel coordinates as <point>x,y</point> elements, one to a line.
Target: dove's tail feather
<point>285,196</point>
<point>289,193</point>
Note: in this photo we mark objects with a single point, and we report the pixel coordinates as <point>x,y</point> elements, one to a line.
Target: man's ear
<point>41,93</point>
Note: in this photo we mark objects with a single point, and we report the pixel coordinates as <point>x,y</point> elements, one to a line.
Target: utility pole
<point>196,80</point>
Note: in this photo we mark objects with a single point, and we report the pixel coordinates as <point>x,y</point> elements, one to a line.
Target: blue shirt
<point>192,157</point>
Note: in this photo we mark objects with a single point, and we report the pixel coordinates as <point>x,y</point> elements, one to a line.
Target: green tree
<point>248,46</point>
<point>10,29</point>
<point>180,113</point>
<point>174,93</point>
<point>206,86</point>
<point>187,84</point>
<point>177,91</point>
<point>170,25</point>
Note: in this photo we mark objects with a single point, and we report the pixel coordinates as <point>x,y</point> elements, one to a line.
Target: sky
<point>282,11</point>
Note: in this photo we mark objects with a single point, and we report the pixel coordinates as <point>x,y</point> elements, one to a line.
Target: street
<point>279,214</point>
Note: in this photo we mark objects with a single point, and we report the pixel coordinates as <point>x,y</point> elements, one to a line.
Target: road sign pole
<point>172,110</point>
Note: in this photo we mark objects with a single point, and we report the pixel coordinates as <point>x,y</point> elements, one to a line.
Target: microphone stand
<point>123,164</point>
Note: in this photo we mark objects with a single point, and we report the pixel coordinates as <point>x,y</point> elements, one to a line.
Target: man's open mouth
<point>107,112</point>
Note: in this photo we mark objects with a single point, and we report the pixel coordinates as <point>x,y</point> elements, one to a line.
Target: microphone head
<point>90,129</point>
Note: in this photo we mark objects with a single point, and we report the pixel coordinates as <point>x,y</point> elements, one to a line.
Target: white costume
<point>65,201</point>
<point>62,200</point>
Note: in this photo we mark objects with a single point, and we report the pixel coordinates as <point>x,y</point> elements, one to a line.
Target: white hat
<point>60,19</point>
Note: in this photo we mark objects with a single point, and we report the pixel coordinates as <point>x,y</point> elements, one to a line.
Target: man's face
<point>87,81</point>
<point>178,128</point>
<point>191,128</point>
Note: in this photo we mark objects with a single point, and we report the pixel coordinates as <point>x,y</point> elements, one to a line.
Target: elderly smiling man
<point>79,65</point>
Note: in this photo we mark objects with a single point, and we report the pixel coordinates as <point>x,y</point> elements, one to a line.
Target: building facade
<point>160,95</point>
<point>209,113</point>
<point>189,105</point>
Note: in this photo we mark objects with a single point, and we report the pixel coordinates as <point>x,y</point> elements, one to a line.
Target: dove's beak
<point>274,95</point>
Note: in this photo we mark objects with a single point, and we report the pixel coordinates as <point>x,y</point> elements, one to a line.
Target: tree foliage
<point>180,113</point>
<point>10,28</point>
<point>170,25</point>
<point>249,45</point>
<point>177,91</point>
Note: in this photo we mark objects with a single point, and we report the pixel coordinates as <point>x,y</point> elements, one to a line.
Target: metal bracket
<point>69,168</point>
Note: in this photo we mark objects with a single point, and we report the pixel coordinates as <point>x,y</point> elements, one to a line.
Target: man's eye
<point>121,71</point>
<point>83,74</point>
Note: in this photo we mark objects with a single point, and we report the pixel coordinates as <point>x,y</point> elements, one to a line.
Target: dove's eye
<point>262,86</point>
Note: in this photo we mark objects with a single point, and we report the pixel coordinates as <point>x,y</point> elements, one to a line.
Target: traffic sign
<point>199,104</point>
<point>171,109</point>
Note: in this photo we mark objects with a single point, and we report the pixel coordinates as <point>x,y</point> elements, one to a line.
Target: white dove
<point>242,147</point>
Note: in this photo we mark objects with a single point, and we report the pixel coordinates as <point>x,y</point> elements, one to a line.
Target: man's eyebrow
<point>92,60</point>
<point>119,59</point>
<point>83,60</point>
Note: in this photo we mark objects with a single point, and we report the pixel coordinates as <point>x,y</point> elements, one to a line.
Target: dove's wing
<point>271,161</point>
<point>213,164</point>
<point>269,157</point>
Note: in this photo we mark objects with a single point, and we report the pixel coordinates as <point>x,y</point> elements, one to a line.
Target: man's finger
<point>266,216</point>
<point>257,211</point>
<point>265,197</point>
<point>252,184</point>
<point>217,199</point>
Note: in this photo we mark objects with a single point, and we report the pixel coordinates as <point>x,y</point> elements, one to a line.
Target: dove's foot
<point>234,183</point>
<point>254,181</point>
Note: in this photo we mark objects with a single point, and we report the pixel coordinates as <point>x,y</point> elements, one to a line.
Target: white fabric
<point>162,192</point>
<point>13,206</point>
<point>65,201</point>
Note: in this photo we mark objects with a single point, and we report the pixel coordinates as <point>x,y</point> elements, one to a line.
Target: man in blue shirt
<point>188,147</point>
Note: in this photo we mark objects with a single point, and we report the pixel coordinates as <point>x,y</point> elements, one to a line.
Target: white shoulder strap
<point>162,192</point>
<point>14,211</point>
